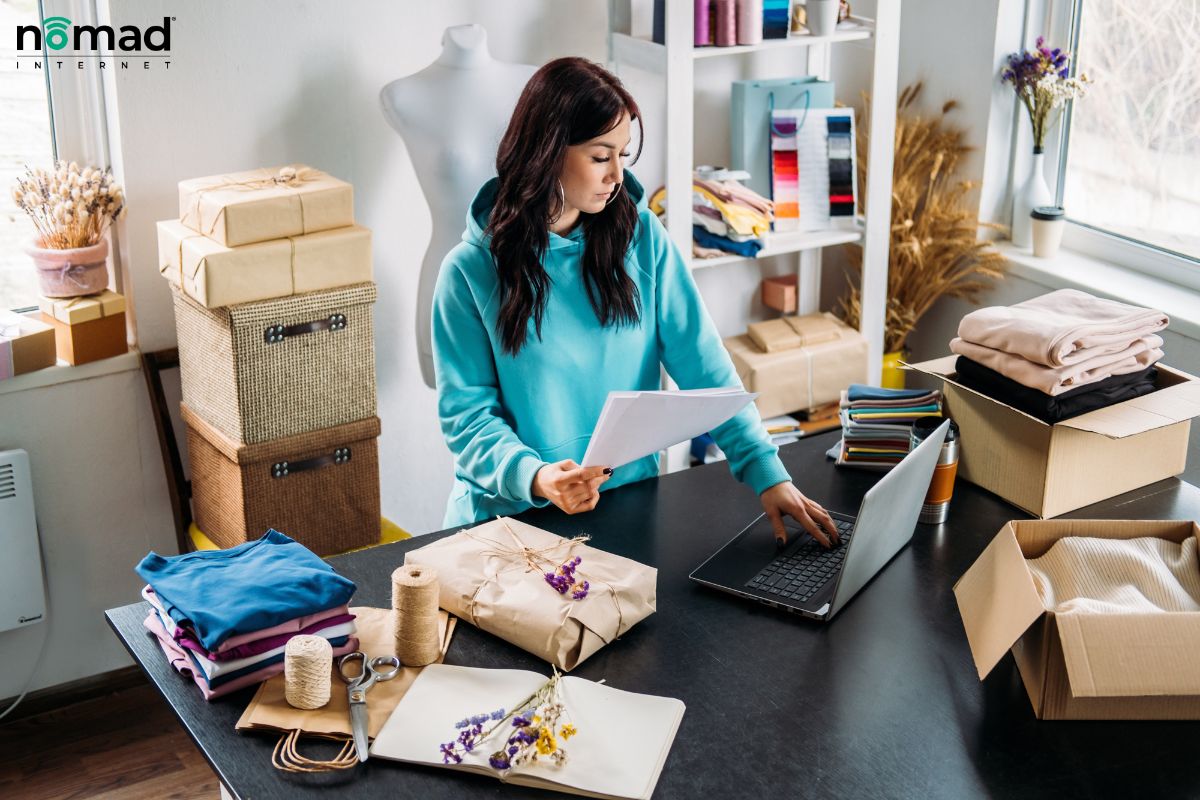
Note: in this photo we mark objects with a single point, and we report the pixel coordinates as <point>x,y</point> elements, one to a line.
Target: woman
<point>566,287</point>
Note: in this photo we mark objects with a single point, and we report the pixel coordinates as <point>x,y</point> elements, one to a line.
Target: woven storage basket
<point>259,371</point>
<point>321,488</point>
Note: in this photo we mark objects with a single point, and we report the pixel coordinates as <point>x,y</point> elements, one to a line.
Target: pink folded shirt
<point>182,664</point>
<point>229,649</point>
<point>1061,328</point>
<point>1056,380</point>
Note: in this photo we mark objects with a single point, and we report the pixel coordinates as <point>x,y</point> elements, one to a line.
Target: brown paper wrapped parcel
<point>216,276</point>
<point>492,576</point>
<point>263,204</point>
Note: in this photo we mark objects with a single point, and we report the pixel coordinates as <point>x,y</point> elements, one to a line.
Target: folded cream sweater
<point>1081,575</point>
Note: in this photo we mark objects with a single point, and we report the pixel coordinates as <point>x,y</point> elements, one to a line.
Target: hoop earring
<point>616,192</point>
<point>562,204</point>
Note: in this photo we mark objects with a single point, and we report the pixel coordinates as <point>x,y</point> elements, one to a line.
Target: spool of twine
<point>307,666</point>
<point>415,613</point>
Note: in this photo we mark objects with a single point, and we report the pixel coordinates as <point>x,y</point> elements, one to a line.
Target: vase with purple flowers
<point>1042,81</point>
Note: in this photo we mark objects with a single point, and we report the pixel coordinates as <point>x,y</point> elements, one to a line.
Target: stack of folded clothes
<point>1060,355</point>
<point>727,217</point>
<point>876,423</point>
<point>224,617</point>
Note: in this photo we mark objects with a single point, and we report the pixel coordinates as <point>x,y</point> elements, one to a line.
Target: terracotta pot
<point>73,272</point>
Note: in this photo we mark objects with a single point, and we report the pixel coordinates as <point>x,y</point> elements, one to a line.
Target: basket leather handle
<point>281,469</point>
<point>273,334</point>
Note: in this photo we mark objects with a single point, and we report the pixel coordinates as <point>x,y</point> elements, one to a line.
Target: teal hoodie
<point>505,417</point>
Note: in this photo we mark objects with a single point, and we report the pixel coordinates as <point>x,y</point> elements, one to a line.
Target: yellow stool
<point>388,532</point>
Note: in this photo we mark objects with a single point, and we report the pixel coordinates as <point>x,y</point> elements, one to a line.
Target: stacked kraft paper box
<point>273,294</point>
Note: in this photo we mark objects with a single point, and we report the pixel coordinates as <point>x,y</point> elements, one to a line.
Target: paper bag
<point>493,576</point>
<point>269,710</point>
<point>263,204</point>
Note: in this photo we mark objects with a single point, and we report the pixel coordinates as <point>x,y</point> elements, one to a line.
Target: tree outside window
<point>1133,158</point>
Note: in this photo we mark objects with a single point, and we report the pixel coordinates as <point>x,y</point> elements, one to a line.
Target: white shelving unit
<point>675,62</point>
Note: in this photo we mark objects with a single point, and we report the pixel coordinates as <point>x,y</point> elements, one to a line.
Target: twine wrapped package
<point>259,371</point>
<point>320,487</point>
<point>493,576</point>
<point>216,276</point>
<point>263,204</point>
<point>26,344</point>
<point>803,376</point>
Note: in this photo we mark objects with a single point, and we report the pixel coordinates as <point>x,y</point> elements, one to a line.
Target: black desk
<point>882,702</point>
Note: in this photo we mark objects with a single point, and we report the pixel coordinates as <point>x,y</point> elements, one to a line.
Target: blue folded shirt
<point>256,585</point>
<point>860,391</point>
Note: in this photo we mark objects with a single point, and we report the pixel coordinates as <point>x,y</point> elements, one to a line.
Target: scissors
<point>363,678</point>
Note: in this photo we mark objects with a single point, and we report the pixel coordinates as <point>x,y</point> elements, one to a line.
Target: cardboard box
<point>781,293</point>
<point>1049,470</point>
<point>1080,666</point>
<point>264,204</point>
<point>26,344</point>
<point>803,377</point>
<point>88,328</point>
<point>216,276</point>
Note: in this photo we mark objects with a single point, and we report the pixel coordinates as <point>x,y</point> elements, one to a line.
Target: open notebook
<point>604,760</point>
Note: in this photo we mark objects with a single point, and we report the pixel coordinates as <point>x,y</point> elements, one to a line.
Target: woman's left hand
<point>785,498</point>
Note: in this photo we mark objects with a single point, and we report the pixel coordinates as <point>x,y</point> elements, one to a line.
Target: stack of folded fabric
<point>726,216</point>
<point>224,617</point>
<point>876,423</point>
<point>1060,355</point>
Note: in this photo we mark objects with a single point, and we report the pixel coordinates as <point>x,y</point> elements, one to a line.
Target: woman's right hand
<point>569,486</point>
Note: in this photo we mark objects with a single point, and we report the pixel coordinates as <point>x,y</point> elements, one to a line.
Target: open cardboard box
<point>1049,470</point>
<point>1080,666</point>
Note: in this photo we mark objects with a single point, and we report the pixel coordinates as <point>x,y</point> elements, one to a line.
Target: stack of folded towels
<point>1060,355</point>
<point>876,423</point>
<point>224,617</point>
<point>727,217</point>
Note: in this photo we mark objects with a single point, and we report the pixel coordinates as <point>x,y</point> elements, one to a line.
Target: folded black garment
<point>1081,400</point>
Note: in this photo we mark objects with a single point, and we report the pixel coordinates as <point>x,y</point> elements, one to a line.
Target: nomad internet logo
<point>123,47</point>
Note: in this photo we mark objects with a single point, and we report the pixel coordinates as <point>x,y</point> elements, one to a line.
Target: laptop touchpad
<point>760,539</point>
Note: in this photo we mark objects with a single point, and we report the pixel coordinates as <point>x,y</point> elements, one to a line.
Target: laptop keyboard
<point>800,574</point>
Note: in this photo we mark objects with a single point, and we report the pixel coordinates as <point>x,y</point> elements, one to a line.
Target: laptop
<point>804,577</point>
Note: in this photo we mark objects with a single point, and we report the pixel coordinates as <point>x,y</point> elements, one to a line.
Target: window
<point>25,138</point>
<point>1132,146</point>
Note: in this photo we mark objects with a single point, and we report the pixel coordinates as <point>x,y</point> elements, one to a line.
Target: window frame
<point>1061,20</point>
<point>78,113</point>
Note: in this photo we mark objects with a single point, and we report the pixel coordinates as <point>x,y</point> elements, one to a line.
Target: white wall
<point>101,503</point>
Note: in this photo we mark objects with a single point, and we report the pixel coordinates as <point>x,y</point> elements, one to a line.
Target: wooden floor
<point>125,746</point>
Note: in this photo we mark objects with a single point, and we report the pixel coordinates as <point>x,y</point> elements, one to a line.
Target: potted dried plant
<point>71,209</point>
<point>934,250</point>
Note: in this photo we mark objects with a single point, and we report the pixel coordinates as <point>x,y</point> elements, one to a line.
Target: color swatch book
<point>605,760</point>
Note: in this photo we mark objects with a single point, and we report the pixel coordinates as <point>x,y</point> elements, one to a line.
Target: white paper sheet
<point>636,424</point>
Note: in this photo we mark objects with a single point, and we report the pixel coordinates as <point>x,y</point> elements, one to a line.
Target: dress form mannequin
<point>451,115</point>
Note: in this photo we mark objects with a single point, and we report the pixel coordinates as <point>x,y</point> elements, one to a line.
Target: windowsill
<point>65,373</point>
<point>1072,270</point>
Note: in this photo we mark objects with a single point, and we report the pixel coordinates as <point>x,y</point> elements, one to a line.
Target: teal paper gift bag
<point>750,120</point>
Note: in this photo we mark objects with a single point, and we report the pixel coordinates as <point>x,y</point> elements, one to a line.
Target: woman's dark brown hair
<point>567,102</point>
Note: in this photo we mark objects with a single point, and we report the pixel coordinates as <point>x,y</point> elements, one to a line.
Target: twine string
<point>307,666</point>
<point>535,559</point>
<point>287,178</point>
